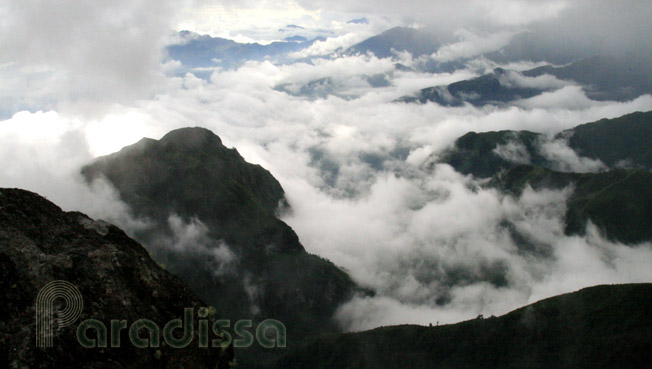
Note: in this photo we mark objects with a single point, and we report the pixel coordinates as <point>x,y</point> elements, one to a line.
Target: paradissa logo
<point>45,323</point>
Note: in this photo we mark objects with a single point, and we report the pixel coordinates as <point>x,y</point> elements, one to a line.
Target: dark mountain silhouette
<point>597,327</point>
<point>39,243</point>
<point>188,175</point>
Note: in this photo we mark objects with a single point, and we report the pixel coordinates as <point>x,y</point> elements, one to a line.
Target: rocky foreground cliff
<point>40,243</point>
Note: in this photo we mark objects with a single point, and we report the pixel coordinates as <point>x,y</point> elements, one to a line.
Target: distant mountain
<point>619,202</point>
<point>199,51</point>
<point>323,87</point>
<point>363,20</point>
<point>601,77</point>
<point>480,153</point>
<point>188,178</point>
<point>619,142</point>
<point>605,77</point>
<point>493,88</point>
<point>597,327</point>
<point>416,42</point>
<point>39,244</point>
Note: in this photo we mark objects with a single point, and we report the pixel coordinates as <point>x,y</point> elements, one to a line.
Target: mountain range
<point>602,77</point>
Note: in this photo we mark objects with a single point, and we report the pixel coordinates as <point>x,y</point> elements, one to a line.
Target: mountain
<point>188,183</point>
<point>606,77</point>
<point>597,327</point>
<point>624,141</point>
<point>488,153</point>
<point>601,78</point>
<point>493,88</point>
<point>618,201</point>
<point>416,42</point>
<point>197,51</point>
<point>190,173</point>
<point>619,142</point>
<point>40,243</point>
<point>346,88</point>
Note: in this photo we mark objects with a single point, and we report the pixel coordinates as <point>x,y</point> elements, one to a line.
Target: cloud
<point>191,238</point>
<point>72,50</point>
<point>564,159</point>
<point>513,151</point>
<point>411,291</point>
<point>43,152</point>
<point>331,44</point>
<point>543,82</point>
<point>472,44</point>
<point>447,15</point>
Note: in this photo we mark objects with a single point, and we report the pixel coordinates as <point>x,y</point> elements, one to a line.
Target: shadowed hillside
<point>597,327</point>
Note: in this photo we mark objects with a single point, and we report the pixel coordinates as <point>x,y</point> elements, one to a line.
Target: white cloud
<point>472,44</point>
<point>513,151</point>
<point>564,159</point>
<point>192,238</point>
<point>331,44</point>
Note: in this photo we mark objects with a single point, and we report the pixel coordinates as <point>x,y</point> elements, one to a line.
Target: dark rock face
<point>189,177</point>
<point>116,277</point>
<point>190,173</point>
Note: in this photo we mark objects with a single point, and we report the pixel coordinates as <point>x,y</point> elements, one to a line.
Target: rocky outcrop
<point>115,276</point>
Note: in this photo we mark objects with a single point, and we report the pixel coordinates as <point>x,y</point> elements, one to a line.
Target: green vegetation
<point>624,141</point>
<point>474,153</point>
<point>618,202</point>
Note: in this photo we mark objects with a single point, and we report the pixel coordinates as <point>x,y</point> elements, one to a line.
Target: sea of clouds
<point>431,243</point>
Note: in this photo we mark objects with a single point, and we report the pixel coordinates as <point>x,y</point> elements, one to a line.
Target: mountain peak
<point>191,137</point>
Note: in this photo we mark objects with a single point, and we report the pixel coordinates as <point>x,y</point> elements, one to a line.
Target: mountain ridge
<point>597,327</point>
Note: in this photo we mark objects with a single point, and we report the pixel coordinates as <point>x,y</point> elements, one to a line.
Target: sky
<point>81,80</point>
